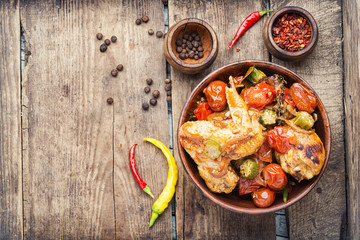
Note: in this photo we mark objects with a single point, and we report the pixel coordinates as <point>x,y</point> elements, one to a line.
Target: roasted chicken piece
<point>237,133</point>
<point>305,158</point>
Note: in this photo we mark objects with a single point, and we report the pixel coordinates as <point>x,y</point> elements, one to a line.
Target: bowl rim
<point>205,191</point>
<point>303,13</point>
<point>179,61</point>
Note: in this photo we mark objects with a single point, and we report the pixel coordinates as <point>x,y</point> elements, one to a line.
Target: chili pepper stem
<point>154,216</point>
<point>262,13</point>
<point>148,191</point>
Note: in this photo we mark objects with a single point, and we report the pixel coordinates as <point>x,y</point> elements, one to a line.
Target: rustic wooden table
<point>63,150</point>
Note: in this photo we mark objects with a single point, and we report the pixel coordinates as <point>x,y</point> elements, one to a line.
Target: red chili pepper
<point>141,183</point>
<point>246,24</point>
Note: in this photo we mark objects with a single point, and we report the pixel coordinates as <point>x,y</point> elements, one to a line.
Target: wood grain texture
<point>322,213</point>
<point>196,216</point>
<point>351,20</point>
<point>10,123</point>
<point>143,57</point>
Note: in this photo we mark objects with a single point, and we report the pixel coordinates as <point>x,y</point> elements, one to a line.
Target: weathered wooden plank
<point>196,216</point>
<point>351,20</point>
<point>68,136</point>
<point>322,213</point>
<point>10,123</point>
<point>142,56</point>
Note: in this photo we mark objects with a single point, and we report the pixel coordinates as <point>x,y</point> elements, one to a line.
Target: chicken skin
<point>305,158</point>
<point>238,133</point>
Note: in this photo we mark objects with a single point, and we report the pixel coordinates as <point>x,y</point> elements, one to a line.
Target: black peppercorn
<point>190,38</point>
<point>187,49</point>
<point>200,49</point>
<point>194,34</point>
<point>197,38</point>
<point>191,54</point>
<point>156,93</point>
<point>151,32</point>
<point>186,36</point>
<point>168,98</point>
<point>146,89</point>
<point>179,49</point>
<point>179,42</point>
<point>149,81</point>
<point>196,52</point>
<point>110,100</point>
<point>186,55</point>
<point>107,42</point>
<point>168,80</point>
<point>168,93</point>
<point>145,19</point>
<point>194,49</point>
<point>153,101</point>
<point>183,45</point>
<point>182,55</point>
<point>183,51</point>
<point>184,41</point>
<point>120,67</point>
<point>159,34</point>
<point>138,21</point>
<point>113,38</point>
<point>201,54</point>
<point>195,44</point>
<point>99,36</point>
<point>114,72</point>
<point>145,106</point>
<point>103,47</point>
<point>196,57</point>
<point>167,87</point>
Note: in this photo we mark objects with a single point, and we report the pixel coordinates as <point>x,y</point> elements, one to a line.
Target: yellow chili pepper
<point>168,192</point>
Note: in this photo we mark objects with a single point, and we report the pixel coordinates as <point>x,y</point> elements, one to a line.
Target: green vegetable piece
<point>268,117</point>
<point>285,193</point>
<point>304,120</point>
<point>256,75</point>
<point>212,149</point>
<point>249,169</point>
<point>249,71</point>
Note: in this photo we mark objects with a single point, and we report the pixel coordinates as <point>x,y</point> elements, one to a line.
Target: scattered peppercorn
<point>151,32</point>
<point>168,98</point>
<point>168,93</point>
<point>138,21</point>
<point>146,89</point>
<point>168,80</point>
<point>113,38</point>
<point>145,106</point>
<point>167,87</point>
<point>145,19</point>
<point>159,34</point>
<point>153,101</point>
<point>156,93</point>
<point>103,47</point>
<point>107,42</point>
<point>149,81</point>
<point>110,100</point>
<point>114,72</point>
<point>120,67</point>
<point>99,36</point>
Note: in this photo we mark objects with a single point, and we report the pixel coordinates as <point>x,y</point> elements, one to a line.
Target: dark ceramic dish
<point>208,39</point>
<point>233,201</point>
<point>277,51</point>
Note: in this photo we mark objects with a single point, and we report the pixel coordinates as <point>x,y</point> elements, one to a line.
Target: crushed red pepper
<point>291,32</point>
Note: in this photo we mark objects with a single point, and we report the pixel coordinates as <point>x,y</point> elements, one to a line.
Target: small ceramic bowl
<point>277,51</point>
<point>208,39</point>
<point>233,201</point>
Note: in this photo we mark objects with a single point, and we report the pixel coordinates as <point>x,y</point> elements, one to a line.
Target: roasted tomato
<point>280,139</point>
<point>265,152</point>
<point>202,111</point>
<point>288,99</point>
<point>274,177</point>
<point>303,98</point>
<point>259,96</point>
<point>247,185</point>
<point>263,197</point>
<point>216,96</point>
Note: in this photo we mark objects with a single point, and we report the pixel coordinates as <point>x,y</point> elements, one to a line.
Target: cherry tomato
<point>216,96</point>
<point>202,111</point>
<point>247,185</point>
<point>275,177</point>
<point>259,96</point>
<point>265,152</point>
<point>280,139</point>
<point>303,98</point>
<point>288,99</point>
<point>263,197</point>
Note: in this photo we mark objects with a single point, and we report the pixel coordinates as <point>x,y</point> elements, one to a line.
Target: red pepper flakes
<point>291,32</point>
<point>238,50</point>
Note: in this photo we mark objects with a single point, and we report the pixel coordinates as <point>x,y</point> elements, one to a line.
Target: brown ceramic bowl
<point>233,201</point>
<point>208,40</point>
<point>277,51</point>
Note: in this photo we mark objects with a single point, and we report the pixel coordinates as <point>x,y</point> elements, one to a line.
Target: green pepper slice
<point>249,169</point>
<point>212,149</point>
<point>285,193</point>
<point>268,117</point>
<point>255,76</point>
<point>304,120</point>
